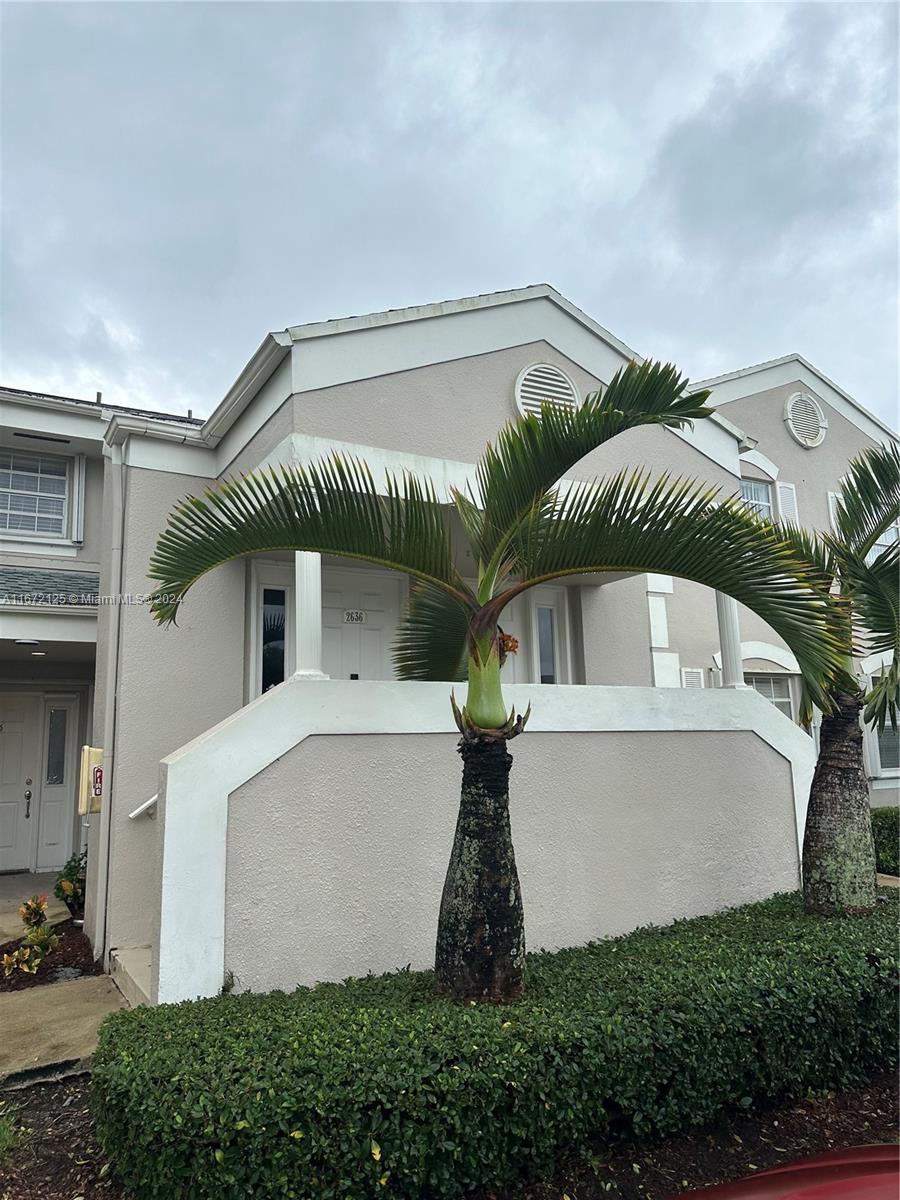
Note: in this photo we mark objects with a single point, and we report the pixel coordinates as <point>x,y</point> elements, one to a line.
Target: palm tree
<point>523,527</point>
<point>862,568</point>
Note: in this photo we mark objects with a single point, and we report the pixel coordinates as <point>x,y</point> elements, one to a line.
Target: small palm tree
<point>523,528</point>
<point>862,570</point>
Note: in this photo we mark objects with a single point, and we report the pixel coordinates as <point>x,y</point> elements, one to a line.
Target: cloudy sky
<point>715,183</point>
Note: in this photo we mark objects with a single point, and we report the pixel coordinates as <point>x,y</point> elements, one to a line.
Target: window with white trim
<point>34,494</point>
<point>888,744</point>
<point>758,497</point>
<point>776,689</point>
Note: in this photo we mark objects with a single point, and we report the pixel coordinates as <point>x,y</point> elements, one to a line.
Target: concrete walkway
<point>888,881</point>
<point>54,1024</point>
<point>20,886</point>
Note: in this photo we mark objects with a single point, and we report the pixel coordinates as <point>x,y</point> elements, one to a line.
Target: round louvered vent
<point>805,420</point>
<point>543,383</point>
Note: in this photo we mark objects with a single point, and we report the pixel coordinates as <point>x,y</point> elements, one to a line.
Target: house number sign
<point>354,616</point>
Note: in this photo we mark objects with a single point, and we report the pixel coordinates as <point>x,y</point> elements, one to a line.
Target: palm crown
<point>860,563</point>
<point>524,525</point>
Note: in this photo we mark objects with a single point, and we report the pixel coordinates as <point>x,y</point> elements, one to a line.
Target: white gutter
<point>117,495</point>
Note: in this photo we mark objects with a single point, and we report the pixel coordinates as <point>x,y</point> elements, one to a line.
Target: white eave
<point>274,348</point>
<point>447,308</point>
<point>121,427</point>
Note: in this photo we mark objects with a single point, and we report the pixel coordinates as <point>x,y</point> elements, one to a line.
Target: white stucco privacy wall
<point>300,840</point>
<point>337,852</point>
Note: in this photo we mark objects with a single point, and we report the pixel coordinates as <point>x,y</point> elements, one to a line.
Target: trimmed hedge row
<point>374,1088</point>
<point>886,832</point>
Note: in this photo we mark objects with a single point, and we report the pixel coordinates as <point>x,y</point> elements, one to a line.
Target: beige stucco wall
<point>337,852</point>
<point>814,472</point>
<point>173,684</point>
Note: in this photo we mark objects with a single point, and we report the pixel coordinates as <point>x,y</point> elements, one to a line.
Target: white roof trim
<point>445,308</point>
<point>806,373</point>
<point>272,350</point>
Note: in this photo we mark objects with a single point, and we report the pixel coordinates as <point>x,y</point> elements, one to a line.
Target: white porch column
<point>308,615</point>
<point>730,641</point>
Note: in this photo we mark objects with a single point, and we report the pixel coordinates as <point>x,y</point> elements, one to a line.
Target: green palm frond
<point>432,641</point>
<point>331,506</point>
<point>531,454</point>
<point>869,502</point>
<point>678,527</point>
<point>872,588</point>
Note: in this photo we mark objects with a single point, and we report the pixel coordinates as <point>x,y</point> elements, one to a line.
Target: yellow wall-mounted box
<point>90,780</point>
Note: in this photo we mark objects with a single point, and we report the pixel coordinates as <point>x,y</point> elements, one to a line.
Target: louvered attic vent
<point>805,420</point>
<point>543,383</point>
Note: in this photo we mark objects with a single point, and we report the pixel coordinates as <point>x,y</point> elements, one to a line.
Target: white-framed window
<point>271,626</point>
<point>758,497</point>
<point>776,689</point>
<point>41,496</point>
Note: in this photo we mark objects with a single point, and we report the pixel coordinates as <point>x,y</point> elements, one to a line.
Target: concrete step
<point>130,969</point>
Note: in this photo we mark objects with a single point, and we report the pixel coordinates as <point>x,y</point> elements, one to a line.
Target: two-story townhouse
<point>329,801</point>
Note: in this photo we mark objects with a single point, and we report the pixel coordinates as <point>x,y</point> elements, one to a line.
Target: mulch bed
<point>58,1158</point>
<point>73,954</point>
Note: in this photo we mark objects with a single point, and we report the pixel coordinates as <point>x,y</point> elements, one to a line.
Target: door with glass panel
<point>19,750</point>
<point>59,753</point>
<point>271,626</point>
<point>549,635</point>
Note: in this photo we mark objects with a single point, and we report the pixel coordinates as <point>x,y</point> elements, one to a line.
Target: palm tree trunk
<point>480,951</point>
<point>838,853</point>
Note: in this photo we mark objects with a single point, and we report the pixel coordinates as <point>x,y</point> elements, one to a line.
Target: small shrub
<point>375,1088</point>
<point>886,832</point>
<point>34,911</point>
<point>38,942</point>
<point>70,883</point>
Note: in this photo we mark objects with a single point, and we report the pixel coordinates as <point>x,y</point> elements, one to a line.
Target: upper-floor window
<point>758,497</point>
<point>34,493</point>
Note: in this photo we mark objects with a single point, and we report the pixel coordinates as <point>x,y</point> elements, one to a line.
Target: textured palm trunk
<point>480,953</point>
<point>838,853</point>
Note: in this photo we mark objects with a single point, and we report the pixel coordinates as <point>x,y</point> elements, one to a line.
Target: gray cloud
<point>714,183</point>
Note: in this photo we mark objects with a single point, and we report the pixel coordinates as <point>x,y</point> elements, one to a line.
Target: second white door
<point>360,614</point>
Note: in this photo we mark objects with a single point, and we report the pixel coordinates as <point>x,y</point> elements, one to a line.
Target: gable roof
<point>792,368</point>
<point>276,345</point>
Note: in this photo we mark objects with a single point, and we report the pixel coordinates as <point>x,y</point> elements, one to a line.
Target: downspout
<point>117,488</point>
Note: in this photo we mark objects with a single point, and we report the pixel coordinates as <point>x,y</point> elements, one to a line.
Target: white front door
<point>360,614</point>
<point>19,749</point>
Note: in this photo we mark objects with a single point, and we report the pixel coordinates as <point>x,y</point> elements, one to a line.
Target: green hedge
<point>886,832</point>
<point>373,1088</point>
